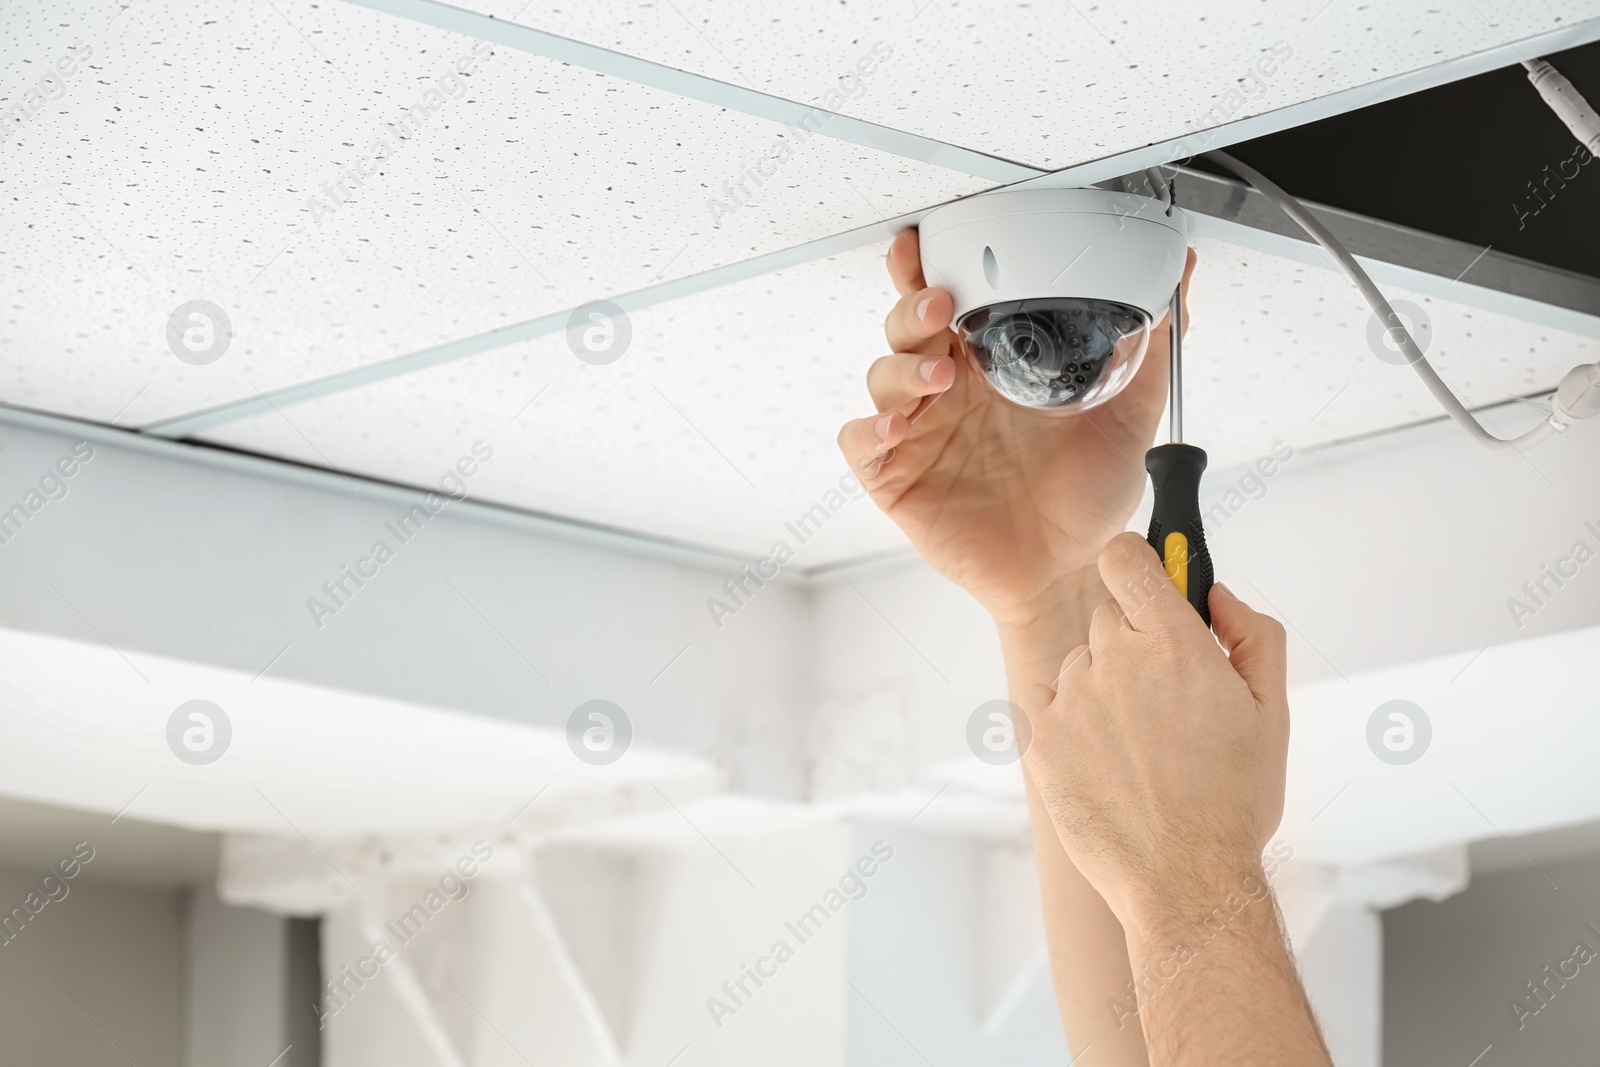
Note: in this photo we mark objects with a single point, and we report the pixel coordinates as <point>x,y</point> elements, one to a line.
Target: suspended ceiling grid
<point>546,185</point>
<point>1046,85</point>
<point>739,439</point>
<point>542,187</point>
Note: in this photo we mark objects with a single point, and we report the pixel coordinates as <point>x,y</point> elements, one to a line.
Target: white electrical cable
<point>1308,222</point>
<point>1568,104</point>
<point>1162,186</point>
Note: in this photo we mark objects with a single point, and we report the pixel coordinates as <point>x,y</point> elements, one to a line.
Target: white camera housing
<point>1045,277</point>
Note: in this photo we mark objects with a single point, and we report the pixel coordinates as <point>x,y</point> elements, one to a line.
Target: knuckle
<point>870,466</point>
<point>906,238</point>
<point>1121,550</point>
<point>895,315</point>
<point>1068,680</point>
<point>1146,580</point>
<point>1166,644</point>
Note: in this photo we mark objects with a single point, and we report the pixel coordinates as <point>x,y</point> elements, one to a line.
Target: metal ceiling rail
<point>593,535</point>
<point>1229,210</point>
<point>555,322</point>
<point>1225,209</point>
<point>871,135</point>
<point>929,150</point>
<point>366,487</point>
<point>699,87</point>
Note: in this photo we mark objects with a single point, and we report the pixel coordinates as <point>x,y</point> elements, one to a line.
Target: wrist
<point>1195,900</point>
<point>1036,635</point>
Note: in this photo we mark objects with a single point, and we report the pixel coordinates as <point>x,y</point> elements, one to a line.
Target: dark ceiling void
<point>1482,160</point>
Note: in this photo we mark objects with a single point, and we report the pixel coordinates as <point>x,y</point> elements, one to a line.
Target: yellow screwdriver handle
<point>1176,532</point>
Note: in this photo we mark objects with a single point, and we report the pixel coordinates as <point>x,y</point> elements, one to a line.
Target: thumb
<point>1255,643</point>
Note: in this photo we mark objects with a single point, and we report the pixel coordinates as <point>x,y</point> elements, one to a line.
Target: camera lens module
<point>1059,353</point>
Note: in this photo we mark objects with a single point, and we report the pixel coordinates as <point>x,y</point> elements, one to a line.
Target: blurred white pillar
<point>1332,917</point>
<point>240,988</point>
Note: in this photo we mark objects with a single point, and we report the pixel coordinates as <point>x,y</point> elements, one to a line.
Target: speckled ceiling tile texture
<point>201,155</point>
<point>1053,84</point>
<point>193,154</point>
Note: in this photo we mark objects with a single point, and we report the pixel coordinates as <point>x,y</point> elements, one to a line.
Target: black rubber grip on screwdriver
<point>1176,532</point>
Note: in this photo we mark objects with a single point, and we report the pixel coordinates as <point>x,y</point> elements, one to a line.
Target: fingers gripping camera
<point>1056,290</point>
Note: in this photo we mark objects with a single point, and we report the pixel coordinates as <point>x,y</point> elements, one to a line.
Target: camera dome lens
<point>1064,353</point>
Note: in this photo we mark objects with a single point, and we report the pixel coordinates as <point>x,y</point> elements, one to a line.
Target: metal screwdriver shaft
<point>1176,532</point>
<point>1175,378</point>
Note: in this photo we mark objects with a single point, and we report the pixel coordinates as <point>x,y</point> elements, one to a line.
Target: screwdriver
<point>1176,532</point>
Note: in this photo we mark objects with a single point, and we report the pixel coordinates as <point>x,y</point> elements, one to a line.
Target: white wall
<point>244,995</point>
<point>1340,964</point>
<point>96,973</point>
<point>1452,968</point>
<point>141,936</point>
<point>947,959</point>
<point>902,658</point>
<point>215,564</point>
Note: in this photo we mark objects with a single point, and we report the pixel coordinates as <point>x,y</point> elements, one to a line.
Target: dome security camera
<point>1056,290</point>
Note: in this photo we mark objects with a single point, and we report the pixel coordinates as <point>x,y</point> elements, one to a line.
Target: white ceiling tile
<point>1277,349</point>
<point>717,427</point>
<point>752,382</point>
<point>180,165</point>
<point>1051,85</point>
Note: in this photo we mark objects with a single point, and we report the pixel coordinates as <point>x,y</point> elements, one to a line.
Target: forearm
<point>1215,980</point>
<point>1088,952</point>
